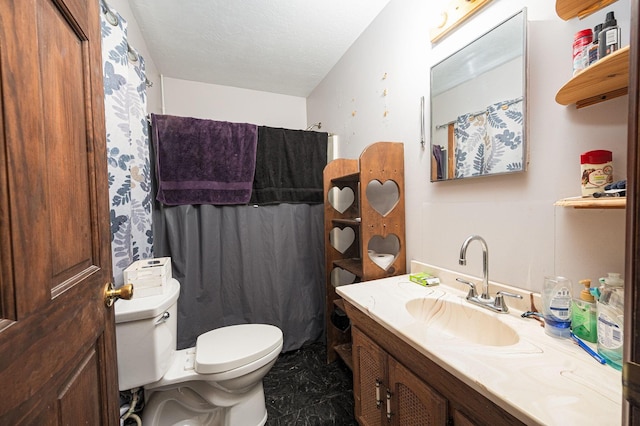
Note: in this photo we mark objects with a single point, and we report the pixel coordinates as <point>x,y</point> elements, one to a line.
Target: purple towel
<point>203,161</point>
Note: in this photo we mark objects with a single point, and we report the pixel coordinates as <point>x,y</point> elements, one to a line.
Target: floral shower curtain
<point>127,145</point>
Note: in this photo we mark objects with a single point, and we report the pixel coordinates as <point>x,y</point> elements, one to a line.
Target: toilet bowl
<point>217,383</point>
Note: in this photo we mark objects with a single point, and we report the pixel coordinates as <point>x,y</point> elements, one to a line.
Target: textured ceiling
<point>279,46</point>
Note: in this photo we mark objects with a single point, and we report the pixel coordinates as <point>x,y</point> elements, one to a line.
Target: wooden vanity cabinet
<point>388,393</point>
<point>419,392</point>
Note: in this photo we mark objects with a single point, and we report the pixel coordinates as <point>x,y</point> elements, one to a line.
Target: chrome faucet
<point>485,263</point>
<point>484,300</point>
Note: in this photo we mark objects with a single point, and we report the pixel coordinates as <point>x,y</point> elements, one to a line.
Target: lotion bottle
<point>584,318</point>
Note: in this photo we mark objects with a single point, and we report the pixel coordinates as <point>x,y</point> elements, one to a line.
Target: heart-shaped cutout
<point>341,199</point>
<point>341,276</point>
<point>383,251</point>
<point>383,197</point>
<point>342,239</point>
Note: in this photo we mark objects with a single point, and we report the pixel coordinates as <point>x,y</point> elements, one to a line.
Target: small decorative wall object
<point>456,12</point>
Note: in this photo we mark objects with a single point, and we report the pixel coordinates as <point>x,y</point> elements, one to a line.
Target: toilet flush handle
<point>163,318</point>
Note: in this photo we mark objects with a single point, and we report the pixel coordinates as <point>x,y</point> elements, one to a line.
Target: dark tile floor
<point>303,390</point>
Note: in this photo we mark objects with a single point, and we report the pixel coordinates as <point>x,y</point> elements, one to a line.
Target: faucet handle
<point>499,302</point>
<point>472,291</point>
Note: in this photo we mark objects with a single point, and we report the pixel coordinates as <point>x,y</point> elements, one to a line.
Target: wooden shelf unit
<point>606,79</point>
<point>381,161</point>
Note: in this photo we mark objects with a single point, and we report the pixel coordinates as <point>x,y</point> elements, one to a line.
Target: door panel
<point>66,142</point>
<point>57,339</point>
<point>369,374</point>
<point>79,399</point>
<point>414,402</point>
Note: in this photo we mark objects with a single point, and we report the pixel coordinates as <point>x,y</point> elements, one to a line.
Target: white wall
<point>224,103</point>
<point>528,237</point>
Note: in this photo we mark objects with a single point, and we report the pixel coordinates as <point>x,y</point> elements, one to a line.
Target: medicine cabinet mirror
<point>478,103</point>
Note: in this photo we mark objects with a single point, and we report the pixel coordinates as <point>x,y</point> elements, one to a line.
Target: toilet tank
<point>146,336</point>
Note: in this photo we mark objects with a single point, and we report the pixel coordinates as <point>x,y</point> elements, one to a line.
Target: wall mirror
<point>478,105</point>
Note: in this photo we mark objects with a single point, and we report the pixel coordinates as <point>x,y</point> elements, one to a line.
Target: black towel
<point>289,165</point>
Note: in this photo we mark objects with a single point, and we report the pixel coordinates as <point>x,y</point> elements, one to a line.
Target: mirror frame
<point>450,158</point>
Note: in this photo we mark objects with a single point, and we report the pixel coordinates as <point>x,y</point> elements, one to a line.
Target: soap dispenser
<point>610,309</point>
<point>584,317</point>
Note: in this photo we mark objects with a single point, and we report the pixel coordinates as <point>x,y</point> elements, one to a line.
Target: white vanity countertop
<point>539,380</point>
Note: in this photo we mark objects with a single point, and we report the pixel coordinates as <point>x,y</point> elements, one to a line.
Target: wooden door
<point>413,402</point>
<point>631,366</point>
<point>57,340</point>
<point>369,380</point>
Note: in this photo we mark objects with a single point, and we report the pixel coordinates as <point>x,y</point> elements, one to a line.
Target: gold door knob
<point>111,294</point>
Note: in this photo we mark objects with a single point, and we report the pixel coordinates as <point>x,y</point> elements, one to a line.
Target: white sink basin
<point>462,320</point>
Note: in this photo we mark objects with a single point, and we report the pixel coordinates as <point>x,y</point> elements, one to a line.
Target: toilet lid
<point>233,346</point>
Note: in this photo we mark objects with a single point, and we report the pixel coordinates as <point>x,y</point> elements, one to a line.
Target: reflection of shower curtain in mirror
<point>504,131</point>
<point>470,145</point>
<point>490,142</point>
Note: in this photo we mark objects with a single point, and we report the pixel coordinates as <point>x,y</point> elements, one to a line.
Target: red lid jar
<point>597,171</point>
<point>581,43</point>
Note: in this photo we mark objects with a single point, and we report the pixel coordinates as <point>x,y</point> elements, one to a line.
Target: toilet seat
<point>230,347</point>
<point>259,346</point>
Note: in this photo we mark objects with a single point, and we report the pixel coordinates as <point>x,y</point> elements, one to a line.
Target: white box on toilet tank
<point>148,276</point>
<point>146,336</point>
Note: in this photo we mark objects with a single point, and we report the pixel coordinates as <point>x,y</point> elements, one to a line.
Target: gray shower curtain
<point>246,264</point>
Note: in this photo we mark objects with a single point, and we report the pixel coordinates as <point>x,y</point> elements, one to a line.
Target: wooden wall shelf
<point>568,9</point>
<point>604,80</point>
<point>593,203</point>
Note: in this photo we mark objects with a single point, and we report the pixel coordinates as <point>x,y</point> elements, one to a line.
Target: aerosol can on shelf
<point>610,308</point>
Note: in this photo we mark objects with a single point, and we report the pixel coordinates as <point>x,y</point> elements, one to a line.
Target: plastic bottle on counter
<point>610,308</point>
<point>609,37</point>
<point>556,304</point>
<point>584,317</point>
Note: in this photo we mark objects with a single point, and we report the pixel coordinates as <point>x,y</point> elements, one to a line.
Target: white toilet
<point>216,383</point>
